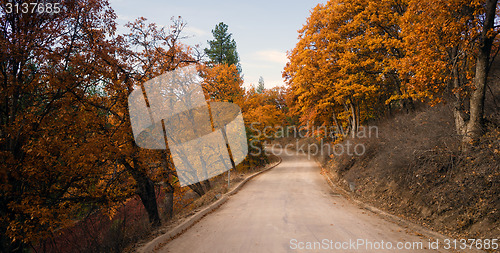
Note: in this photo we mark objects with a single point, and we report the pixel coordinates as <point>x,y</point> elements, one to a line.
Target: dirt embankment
<point>413,168</point>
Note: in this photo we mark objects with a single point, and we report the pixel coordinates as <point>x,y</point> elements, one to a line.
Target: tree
<point>260,86</point>
<point>222,49</point>
<point>222,82</point>
<point>262,112</point>
<point>66,144</point>
<point>485,42</point>
<point>156,51</point>
<point>453,53</point>
<point>342,71</point>
<point>358,59</point>
<point>54,163</point>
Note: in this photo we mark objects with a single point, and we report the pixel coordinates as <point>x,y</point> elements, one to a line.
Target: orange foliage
<point>222,82</point>
<point>343,65</point>
<point>360,59</point>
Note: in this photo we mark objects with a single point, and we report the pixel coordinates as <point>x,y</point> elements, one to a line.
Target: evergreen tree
<point>222,48</point>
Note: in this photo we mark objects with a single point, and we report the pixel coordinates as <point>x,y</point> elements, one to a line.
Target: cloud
<point>265,63</point>
<point>191,30</point>
<point>272,56</point>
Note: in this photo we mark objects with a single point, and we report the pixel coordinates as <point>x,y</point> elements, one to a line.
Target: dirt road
<point>292,209</point>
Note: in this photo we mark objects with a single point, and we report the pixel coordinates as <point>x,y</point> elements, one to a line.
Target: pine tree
<point>222,48</point>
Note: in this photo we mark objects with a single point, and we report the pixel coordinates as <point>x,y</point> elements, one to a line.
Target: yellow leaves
<point>222,82</point>
<point>345,53</point>
<point>438,37</point>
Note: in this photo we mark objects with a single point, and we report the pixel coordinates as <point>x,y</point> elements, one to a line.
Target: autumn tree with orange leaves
<point>66,143</point>
<point>53,161</point>
<point>222,82</point>
<point>451,45</point>
<point>150,51</point>
<point>342,71</point>
<point>357,60</point>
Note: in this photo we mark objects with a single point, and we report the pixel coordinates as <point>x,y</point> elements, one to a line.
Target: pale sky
<point>263,30</point>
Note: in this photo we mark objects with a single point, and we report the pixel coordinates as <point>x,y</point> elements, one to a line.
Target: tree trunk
<point>146,191</point>
<point>459,114</point>
<point>168,188</point>
<point>198,188</point>
<point>340,129</point>
<point>354,119</point>
<point>349,127</point>
<point>475,124</point>
<point>206,185</point>
<point>169,200</point>
<point>358,117</point>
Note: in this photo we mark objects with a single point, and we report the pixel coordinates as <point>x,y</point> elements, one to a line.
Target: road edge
<point>160,241</point>
<point>428,233</point>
